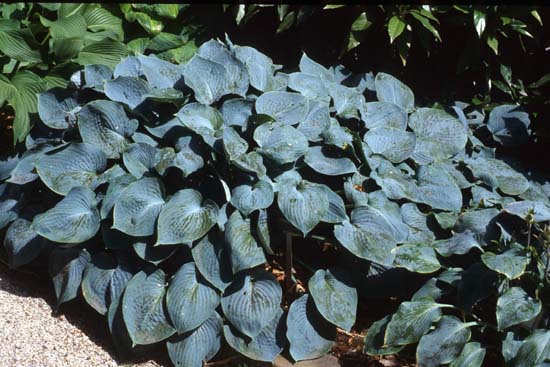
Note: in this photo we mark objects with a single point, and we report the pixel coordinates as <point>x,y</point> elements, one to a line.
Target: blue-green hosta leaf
<point>207,79</point>
<point>281,143</point>
<point>260,67</point>
<point>411,321</point>
<point>541,210</point>
<point>24,170</point>
<point>419,232</point>
<point>153,254</point>
<point>374,340</point>
<point>394,144</point>
<point>22,244</point>
<point>515,307</point>
<point>397,185</point>
<point>139,158</point>
<point>444,343</point>
<point>334,297</point>
<point>477,221</point>
<point>533,350</point>
<point>328,162</point>
<point>114,191</point>
<point>248,198</point>
<point>212,261</point>
<point>142,308</point>
<point>251,301</point>
<point>203,120</point>
<point>9,208</point>
<point>96,75</point>
<point>189,301</point>
<point>511,263</point>
<point>55,108</point>
<point>186,218</point>
<point>385,215</point>
<point>74,219</point>
<point>233,145</point>
<point>304,205</point>
<point>66,266</point>
<point>235,72</point>
<point>459,244</point>
<point>310,335</point>
<point>337,135</point>
<point>76,164</point>
<point>347,101</point>
<point>262,231</point>
<point>285,107</point>
<point>336,208</point>
<point>236,112</point>
<point>138,207</point>
<point>105,124</point>
<point>438,135</point>
<point>309,86</point>
<point>144,138</point>
<point>96,280</point>
<point>316,122</point>
<point>509,125</point>
<point>417,258</point>
<point>244,251</point>
<point>129,66</point>
<point>390,89</point>
<point>186,157</point>
<point>438,188</point>
<point>194,348</point>
<point>161,74</point>
<point>311,67</point>
<point>472,355</point>
<point>265,346</point>
<point>383,114</point>
<point>127,89</point>
<point>498,174</point>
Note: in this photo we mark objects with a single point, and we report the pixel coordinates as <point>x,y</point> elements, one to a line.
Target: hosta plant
<point>166,194</point>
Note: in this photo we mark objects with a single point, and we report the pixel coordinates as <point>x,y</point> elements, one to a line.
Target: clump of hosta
<point>162,191</point>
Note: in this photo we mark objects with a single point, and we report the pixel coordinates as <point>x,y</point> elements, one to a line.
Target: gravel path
<point>32,335</point>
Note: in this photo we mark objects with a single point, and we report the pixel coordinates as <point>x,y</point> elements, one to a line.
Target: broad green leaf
<point>66,27</point>
<point>438,135</point>
<point>334,296</point>
<point>411,321</point>
<point>515,307</point>
<point>472,355</point>
<point>99,19</point>
<point>22,244</point>
<point>496,173</point>
<point>265,346</point>
<point>533,350</point>
<point>189,301</point>
<point>194,348</point>
<point>244,252</point>
<point>304,205</point>
<point>24,102</point>
<point>396,26</point>
<point>374,340</point>
<point>477,221</point>
<point>309,334</point>
<point>137,208</point>
<point>251,301</point>
<point>511,263</point>
<point>186,218</point>
<point>394,144</point>
<point>212,260</point>
<point>444,343</point>
<point>66,266</point>
<point>479,22</point>
<point>105,124</point>
<point>328,162</point>
<point>459,244</point>
<point>336,208</point>
<point>419,232</point>
<point>106,52</point>
<point>540,210</point>
<point>14,45</point>
<point>281,143</point>
<point>438,189</point>
<point>74,219</point>
<point>248,198</point>
<point>142,308</point>
<point>285,107</point>
<point>416,258</point>
<point>390,89</point>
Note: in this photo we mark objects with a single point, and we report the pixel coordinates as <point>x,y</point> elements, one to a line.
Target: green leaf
<point>390,89</point>
<point>96,281</point>
<point>396,26</point>
<point>533,350</point>
<point>426,24</point>
<point>142,308</point>
<point>492,42</point>
<point>361,23</point>
<point>328,162</point>
<point>186,218</point>
<point>472,355</point>
<point>244,251</point>
<point>22,243</point>
<point>73,26</point>
<point>189,301</point>
<point>411,321</point>
<point>212,261</point>
<point>538,209</point>
<point>511,263</point>
<point>444,343</point>
<point>515,307</point>
<point>417,258</point>
<point>394,144</point>
<point>248,198</point>
<point>106,52</point>
<point>66,266</point>
<point>288,108</point>
<point>14,45</point>
<point>374,340</point>
<point>334,297</point>
<point>479,22</point>
<point>281,143</point>
<point>99,19</point>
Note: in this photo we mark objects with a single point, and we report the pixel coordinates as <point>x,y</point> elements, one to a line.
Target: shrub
<point>167,193</point>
